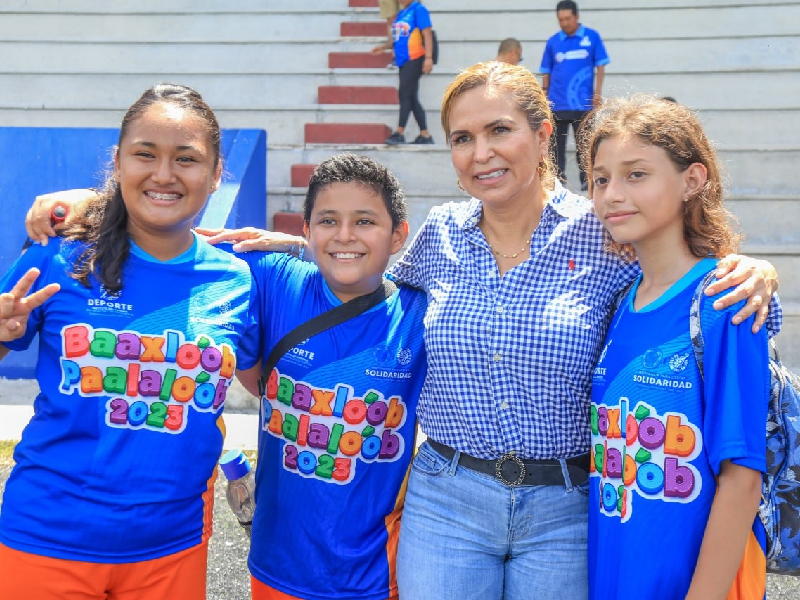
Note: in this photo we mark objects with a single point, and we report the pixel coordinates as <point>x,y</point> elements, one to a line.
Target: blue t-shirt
<point>570,60</point>
<point>118,462</point>
<point>660,432</point>
<point>337,437</point>
<point>407,33</point>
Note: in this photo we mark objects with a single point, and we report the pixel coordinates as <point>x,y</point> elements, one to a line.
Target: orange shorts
<point>33,577</point>
<point>261,591</point>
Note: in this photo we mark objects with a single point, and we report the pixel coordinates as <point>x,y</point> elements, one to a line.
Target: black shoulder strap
<point>695,330</point>
<point>620,297</point>
<point>330,318</point>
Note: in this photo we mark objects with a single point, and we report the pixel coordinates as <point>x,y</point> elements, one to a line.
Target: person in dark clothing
<point>573,68</point>
<point>413,55</point>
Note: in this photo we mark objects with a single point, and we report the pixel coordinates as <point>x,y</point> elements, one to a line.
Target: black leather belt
<point>514,471</point>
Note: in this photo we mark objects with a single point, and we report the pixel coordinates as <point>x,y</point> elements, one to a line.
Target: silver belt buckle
<point>498,469</point>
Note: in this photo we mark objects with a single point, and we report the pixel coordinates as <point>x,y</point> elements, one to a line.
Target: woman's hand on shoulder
<point>754,280</point>
<point>16,305</point>
<point>52,212</point>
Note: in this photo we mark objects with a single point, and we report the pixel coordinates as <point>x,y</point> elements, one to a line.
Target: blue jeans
<point>466,535</point>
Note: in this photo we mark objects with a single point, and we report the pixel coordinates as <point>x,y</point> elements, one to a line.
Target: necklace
<point>515,255</point>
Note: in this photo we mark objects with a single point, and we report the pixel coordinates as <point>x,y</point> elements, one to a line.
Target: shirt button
<point>497,358</point>
<point>504,405</point>
<point>500,310</point>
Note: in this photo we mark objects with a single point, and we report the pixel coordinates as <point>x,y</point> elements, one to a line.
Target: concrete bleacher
<point>265,64</point>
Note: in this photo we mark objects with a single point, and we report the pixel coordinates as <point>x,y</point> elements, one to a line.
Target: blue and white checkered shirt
<point>510,359</point>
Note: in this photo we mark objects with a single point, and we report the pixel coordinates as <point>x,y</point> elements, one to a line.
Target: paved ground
<point>228,578</point>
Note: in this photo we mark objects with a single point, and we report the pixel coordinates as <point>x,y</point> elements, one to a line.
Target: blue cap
<point>234,464</point>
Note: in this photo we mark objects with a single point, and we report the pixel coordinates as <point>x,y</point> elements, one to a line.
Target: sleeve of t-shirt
<point>547,59</point>
<point>40,257</point>
<point>775,317</point>
<point>600,55</point>
<point>422,18</point>
<point>626,273</point>
<point>736,388</point>
<point>249,349</point>
<point>277,276</point>
<point>413,266</point>
<point>263,267</point>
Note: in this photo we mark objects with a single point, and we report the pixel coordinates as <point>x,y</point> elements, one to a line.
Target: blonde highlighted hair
<point>526,94</point>
<point>708,226</point>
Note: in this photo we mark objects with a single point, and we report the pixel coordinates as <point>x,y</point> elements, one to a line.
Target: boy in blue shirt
<point>337,419</point>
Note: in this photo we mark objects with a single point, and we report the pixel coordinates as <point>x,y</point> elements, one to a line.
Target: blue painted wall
<point>38,160</point>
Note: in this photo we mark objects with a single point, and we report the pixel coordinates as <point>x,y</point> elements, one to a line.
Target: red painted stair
<point>301,174</point>
<point>363,29</point>
<point>343,94</point>
<point>358,60</point>
<point>346,133</point>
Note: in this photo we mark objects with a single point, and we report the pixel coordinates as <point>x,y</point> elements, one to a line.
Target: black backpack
<point>435,53</point>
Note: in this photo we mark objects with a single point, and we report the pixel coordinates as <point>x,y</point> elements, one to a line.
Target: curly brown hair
<point>708,226</point>
<point>525,91</point>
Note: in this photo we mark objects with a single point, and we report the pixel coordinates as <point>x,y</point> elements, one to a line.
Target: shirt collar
<point>563,202</point>
<point>186,256</point>
<point>566,203</point>
<point>471,215</point>
<point>406,8</point>
<point>579,33</point>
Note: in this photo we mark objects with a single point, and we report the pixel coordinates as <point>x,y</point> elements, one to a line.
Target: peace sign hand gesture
<point>16,305</point>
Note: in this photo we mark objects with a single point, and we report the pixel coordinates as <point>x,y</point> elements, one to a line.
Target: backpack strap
<point>620,297</point>
<point>330,318</point>
<point>695,330</point>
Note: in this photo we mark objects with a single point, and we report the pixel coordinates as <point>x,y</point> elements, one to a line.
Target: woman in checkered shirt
<point>520,289</point>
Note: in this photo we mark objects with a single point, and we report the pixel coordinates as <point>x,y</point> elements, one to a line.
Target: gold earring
<point>459,186</point>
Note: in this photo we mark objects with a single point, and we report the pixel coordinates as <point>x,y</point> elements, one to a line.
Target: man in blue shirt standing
<point>568,66</point>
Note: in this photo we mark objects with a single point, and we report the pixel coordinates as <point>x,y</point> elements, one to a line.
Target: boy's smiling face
<point>351,235</point>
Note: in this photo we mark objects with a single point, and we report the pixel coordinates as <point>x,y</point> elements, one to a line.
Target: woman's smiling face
<point>494,151</point>
<point>166,168</point>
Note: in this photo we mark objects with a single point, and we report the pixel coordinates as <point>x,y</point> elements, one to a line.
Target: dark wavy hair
<point>102,223</point>
<point>354,168</point>
<point>708,226</point>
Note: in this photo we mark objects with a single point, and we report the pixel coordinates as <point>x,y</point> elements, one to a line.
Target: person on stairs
<point>412,35</point>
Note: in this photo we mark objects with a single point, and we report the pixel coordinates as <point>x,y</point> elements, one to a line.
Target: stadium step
<point>301,174</point>
<point>348,133</point>
<point>343,94</point>
<point>364,29</point>
<point>358,60</point>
